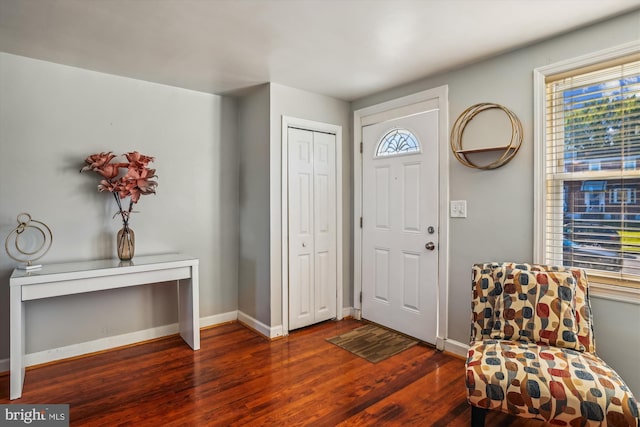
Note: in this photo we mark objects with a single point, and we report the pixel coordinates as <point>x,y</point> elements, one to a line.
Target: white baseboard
<point>106,343</point>
<point>276,331</point>
<point>218,319</point>
<point>258,326</point>
<point>348,312</point>
<point>79,349</point>
<point>456,347</point>
<point>452,346</point>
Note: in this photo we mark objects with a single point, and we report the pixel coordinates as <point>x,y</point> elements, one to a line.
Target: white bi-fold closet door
<point>312,227</point>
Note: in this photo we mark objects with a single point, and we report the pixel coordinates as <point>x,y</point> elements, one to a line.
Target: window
<point>588,171</point>
<point>623,195</point>
<point>398,141</point>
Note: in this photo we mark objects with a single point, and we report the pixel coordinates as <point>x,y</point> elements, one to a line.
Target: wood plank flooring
<point>239,378</point>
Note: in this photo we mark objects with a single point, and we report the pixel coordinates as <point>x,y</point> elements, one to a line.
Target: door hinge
<point>360,297</point>
<point>361,147</point>
<point>360,222</point>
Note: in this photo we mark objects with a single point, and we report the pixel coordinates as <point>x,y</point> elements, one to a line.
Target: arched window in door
<point>397,141</point>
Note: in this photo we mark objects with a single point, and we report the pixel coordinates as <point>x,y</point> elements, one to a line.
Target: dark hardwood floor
<point>240,378</point>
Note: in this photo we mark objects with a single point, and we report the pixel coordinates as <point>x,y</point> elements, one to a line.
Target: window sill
<point>614,293</point>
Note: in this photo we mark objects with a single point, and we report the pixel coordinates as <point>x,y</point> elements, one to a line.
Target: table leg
<point>189,309</point>
<point>16,353</point>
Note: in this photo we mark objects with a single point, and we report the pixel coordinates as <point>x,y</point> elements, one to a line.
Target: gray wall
<point>500,202</point>
<point>51,118</point>
<point>254,275</point>
<point>260,133</point>
<point>286,101</point>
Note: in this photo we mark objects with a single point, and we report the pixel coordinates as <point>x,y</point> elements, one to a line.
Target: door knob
<point>430,246</point>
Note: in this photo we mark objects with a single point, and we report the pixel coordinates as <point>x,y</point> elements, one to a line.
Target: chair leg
<point>477,416</point>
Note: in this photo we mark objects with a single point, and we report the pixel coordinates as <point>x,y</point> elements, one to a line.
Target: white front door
<point>312,227</point>
<point>400,224</point>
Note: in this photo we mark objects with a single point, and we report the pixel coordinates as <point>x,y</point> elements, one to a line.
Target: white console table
<point>55,280</point>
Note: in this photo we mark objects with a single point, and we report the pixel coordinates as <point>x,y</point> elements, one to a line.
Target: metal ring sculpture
<point>510,150</point>
<point>17,250</point>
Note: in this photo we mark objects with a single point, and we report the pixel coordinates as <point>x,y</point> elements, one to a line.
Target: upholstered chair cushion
<point>482,303</point>
<point>584,318</point>
<point>487,282</point>
<point>537,306</point>
<point>560,386</point>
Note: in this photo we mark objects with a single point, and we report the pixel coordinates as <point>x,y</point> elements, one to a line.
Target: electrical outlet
<point>458,209</point>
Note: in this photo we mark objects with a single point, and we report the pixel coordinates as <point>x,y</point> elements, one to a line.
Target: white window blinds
<point>592,170</point>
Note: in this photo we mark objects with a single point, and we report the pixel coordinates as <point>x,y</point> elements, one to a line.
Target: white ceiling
<point>342,48</point>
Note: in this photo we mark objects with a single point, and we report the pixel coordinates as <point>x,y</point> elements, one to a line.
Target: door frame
<point>313,126</point>
<point>397,108</point>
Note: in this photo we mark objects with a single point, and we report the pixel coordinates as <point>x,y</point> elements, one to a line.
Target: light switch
<point>458,209</point>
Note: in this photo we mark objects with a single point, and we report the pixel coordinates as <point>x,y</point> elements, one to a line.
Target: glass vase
<point>126,243</point>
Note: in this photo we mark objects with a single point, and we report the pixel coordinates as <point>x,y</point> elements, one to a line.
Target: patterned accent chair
<point>532,350</point>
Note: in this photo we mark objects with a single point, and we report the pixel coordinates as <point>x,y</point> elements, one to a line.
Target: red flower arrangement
<point>137,181</point>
